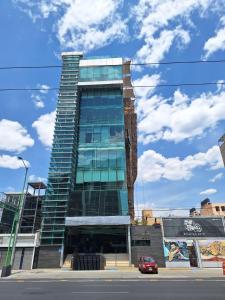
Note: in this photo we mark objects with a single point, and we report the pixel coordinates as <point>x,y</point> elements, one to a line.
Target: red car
<point>147,264</point>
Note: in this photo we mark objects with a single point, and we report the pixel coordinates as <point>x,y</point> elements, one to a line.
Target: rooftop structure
<point>32,211</point>
<point>209,209</point>
<point>212,209</point>
<point>148,217</point>
<point>31,214</point>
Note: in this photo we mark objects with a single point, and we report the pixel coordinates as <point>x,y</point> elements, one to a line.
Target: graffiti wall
<point>176,253</point>
<point>212,252</point>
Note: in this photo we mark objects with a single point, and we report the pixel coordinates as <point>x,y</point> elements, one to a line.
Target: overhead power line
<point>28,89</point>
<point>30,67</point>
<point>132,64</point>
<point>128,87</point>
<point>179,62</point>
<point>172,209</point>
<point>180,84</point>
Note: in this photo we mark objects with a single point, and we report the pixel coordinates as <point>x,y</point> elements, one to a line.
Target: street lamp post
<point>8,264</point>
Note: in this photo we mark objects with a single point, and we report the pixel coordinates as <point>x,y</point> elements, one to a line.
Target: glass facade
<point>101,73</point>
<point>87,174</point>
<point>101,170</point>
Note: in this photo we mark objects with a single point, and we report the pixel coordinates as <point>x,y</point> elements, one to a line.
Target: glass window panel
<point>88,137</point>
<point>100,73</point>
<point>96,176</point>
<point>97,137</point>
<point>123,202</point>
<point>120,160</point>
<point>112,175</point>
<point>104,159</point>
<point>112,159</point>
<point>87,176</point>
<point>104,176</point>
<point>85,159</point>
<point>105,134</point>
<point>120,175</point>
<point>79,178</point>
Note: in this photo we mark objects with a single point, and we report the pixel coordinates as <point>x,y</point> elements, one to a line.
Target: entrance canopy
<point>93,220</point>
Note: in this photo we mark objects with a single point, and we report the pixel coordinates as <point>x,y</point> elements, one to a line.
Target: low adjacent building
<point>147,240</point>
<point>148,217</point>
<point>26,254</point>
<point>8,205</point>
<point>212,209</point>
<point>28,239</point>
<point>209,209</point>
<point>194,241</point>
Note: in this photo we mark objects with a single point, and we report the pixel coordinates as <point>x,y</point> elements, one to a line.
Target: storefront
<point>194,242</point>
<point>26,251</point>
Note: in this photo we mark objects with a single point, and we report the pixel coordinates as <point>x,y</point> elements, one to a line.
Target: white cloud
<point>155,49</point>
<point>220,85</point>
<point>39,96</point>
<point>146,80</point>
<point>12,162</point>
<point>83,25</point>
<point>37,101</point>
<point>43,88</point>
<point>14,137</point>
<point>216,42</point>
<point>179,117</point>
<point>160,23</point>
<point>153,166</point>
<point>45,128</point>
<point>208,192</point>
<point>46,8</point>
<point>216,177</point>
<point>156,14</point>
<point>34,178</point>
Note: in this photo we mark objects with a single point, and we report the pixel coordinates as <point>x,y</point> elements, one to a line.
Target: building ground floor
<point>107,236</point>
<point>96,239</point>
<point>121,244</point>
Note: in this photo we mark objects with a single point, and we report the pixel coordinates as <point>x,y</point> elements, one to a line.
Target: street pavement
<point>126,273</point>
<point>151,288</point>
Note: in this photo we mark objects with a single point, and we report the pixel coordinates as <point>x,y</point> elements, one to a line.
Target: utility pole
<point>8,264</point>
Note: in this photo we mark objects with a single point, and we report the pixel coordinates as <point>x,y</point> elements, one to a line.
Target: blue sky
<point>179,161</point>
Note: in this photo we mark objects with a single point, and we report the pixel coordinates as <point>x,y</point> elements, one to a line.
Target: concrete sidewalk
<point>132,273</point>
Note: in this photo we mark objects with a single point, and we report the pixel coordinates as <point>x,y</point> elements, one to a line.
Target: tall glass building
<point>89,199</point>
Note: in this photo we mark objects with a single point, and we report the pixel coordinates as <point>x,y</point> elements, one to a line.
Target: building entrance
<point>96,239</point>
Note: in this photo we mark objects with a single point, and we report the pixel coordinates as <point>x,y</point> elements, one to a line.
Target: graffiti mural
<point>175,251</point>
<point>212,250</point>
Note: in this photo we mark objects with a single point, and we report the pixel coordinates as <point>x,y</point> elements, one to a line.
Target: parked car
<point>147,264</point>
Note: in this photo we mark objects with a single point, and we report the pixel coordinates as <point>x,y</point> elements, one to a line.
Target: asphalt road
<point>157,289</point>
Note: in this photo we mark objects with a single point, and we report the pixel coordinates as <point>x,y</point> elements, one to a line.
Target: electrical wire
<point>179,62</point>
<point>27,89</point>
<point>132,64</point>
<point>180,84</point>
<point>125,87</point>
